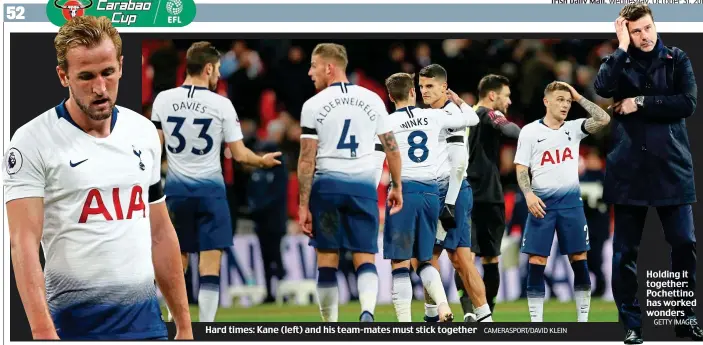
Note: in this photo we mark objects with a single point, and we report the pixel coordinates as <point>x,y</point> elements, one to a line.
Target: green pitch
<point>601,311</point>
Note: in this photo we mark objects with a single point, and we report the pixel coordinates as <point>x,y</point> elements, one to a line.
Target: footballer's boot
<point>470,317</point>
<point>689,329</point>
<point>445,313</point>
<point>366,317</point>
<point>634,336</point>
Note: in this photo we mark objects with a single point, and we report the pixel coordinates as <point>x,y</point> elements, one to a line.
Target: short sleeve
<point>23,168</point>
<point>579,128</point>
<point>156,168</point>
<point>230,123</point>
<point>383,126</point>
<point>523,154</point>
<point>307,122</point>
<point>455,134</point>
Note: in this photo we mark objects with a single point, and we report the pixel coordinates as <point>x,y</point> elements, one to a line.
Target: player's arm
<point>165,253</point>
<point>390,147</point>
<point>523,155</point>
<point>501,123</point>
<point>24,183</point>
<point>598,119</point>
<point>25,218</point>
<point>233,137</point>
<point>306,167</point>
<point>156,118</point>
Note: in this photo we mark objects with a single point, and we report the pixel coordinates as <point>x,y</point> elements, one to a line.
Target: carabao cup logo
<point>72,8</point>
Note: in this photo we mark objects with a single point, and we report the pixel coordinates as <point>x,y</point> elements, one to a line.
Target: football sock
<point>367,284</point>
<point>208,298</point>
<point>402,294</point>
<point>582,289</point>
<point>327,293</point>
<point>432,282</point>
<point>491,279</point>
<point>483,314</point>
<point>535,291</point>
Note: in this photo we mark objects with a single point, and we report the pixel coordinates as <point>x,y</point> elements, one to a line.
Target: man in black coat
<point>649,163</point>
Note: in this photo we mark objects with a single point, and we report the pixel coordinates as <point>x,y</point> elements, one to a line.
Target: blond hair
<point>332,51</point>
<point>86,31</point>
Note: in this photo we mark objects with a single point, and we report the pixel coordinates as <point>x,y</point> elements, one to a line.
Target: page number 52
<point>15,12</point>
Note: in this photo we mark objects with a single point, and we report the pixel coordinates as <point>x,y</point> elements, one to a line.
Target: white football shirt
<point>96,232</point>
<point>195,122</point>
<point>417,132</point>
<point>345,118</point>
<point>553,158</point>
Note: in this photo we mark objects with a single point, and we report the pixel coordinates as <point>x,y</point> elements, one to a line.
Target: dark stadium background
<point>271,84</point>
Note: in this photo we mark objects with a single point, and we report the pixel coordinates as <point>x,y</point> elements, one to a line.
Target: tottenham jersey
<point>449,135</point>
<point>552,156</point>
<point>96,231</point>
<point>417,132</point>
<point>345,119</point>
<point>195,121</point>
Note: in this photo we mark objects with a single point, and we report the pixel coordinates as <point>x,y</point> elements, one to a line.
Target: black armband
<point>455,139</point>
<point>157,124</point>
<point>156,192</point>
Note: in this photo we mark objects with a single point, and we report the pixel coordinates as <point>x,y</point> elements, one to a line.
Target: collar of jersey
<point>195,87</point>
<point>62,112</point>
<point>446,103</point>
<point>545,125</point>
<point>403,109</point>
<point>340,83</point>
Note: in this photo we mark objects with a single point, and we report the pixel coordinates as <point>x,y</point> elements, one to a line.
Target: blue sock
<point>582,278</point>
<point>535,291</point>
<point>327,293</point>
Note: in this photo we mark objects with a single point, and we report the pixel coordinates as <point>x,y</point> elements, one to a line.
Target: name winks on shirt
<point>414,122</point>
<point>190,105</point>
<point>346,101</point>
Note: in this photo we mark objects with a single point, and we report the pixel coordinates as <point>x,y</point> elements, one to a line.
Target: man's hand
<point>269,160</point>
<point>624,107</point>
<point>622,33</point>
<point>184,333</point>
<point>454,97</point>
<point>305,220</point>
<point>535,205</point>
<point>395,199</point>
<point>447,217</point>
<point>574,94</point>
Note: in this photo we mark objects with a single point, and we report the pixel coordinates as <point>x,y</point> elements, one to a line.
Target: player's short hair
<point>491,82</point>
<point>399,86</point>
<point>332,51</point>
<point>555,86</point>
<point>434,71</point>
<point>86,31</point>
<point>633,12</point>
<point>200,54</point>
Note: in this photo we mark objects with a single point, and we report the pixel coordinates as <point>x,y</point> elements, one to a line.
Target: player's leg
<point>360,229</point>
<point>572,234</point>
<point>677,222</point>
<point>327,233</point>
<point>431,311</point>
<point>490,241</point>
<point>426,226</point>
<point>215,234</point>
<point>398,243</point>
<point>181,210</point>
<point>537,244</point>
<point>629,223</point>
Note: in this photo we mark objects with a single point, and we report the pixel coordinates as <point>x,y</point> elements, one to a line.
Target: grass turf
<point>516,311</point>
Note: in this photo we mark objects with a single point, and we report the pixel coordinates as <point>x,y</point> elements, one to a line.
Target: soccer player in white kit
<point>83,179</point>
<point>456,198</point>
<point>193,122</point>
<point>411,232</point>
<point>549,149</point>
<point>338,206</point>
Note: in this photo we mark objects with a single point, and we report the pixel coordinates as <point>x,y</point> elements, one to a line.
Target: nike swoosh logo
<point>73,165</point>
<point>539,141</point>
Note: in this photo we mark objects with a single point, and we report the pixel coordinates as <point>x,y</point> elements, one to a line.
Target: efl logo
<point>72,8</point>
